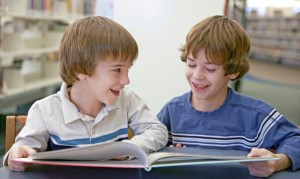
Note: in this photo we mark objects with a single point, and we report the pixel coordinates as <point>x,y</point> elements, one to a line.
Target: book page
<point>168,157</point>
<point>95,152</point>
<point>161,157</point>
<point>134,163</point>
<point>197,156</point>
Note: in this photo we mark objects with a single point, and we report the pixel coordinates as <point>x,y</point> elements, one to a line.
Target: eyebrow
<point>210,63</point>
<point>207,62</point>
<point>119,65</point>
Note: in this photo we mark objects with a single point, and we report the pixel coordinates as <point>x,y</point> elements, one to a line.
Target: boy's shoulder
<point>180,100</point>
<point>47,105</point>
<point>245,101</point>
<point>51,99</point>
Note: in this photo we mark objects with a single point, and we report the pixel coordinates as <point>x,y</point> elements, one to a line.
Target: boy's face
<point>108,79</point>
<point>207,80</point>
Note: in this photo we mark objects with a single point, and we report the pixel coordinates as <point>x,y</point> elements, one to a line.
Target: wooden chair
<point>14,124</point>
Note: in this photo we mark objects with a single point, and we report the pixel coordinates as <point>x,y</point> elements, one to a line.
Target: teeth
<point>200,86</point>
<point>115,89</point>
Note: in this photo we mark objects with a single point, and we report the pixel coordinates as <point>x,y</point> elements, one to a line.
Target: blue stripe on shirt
<point>117,135</point>
<point>228,141</point>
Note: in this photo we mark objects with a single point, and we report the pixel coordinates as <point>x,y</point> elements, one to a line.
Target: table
<point>217,170</point>
<point>229,170</point>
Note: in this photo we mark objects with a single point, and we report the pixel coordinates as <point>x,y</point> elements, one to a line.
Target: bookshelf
<point>30,34</point>
<point>275,39</point>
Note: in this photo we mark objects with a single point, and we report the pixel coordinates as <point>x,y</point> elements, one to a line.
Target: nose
<point>125,79</point>
<point>198,73</point>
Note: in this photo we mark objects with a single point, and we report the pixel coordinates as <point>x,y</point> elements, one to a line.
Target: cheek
<point>188,72</point>
<point>220,79</point>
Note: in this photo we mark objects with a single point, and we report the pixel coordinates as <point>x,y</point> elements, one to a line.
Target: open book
<point>102,155</point>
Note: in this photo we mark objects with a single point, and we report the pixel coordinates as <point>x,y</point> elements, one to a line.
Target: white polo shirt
<point>57,118</point>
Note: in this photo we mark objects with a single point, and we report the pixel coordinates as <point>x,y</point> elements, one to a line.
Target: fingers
<point>180,146</point>
<point>253,152</point>
<point>260,152</point>
<point>19,152</point>
<point>30,151</point>
<point>18,166</point>
<point>260,170</point>
<point>177,146</point>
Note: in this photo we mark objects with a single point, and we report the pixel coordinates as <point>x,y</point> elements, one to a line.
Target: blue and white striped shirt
<point>241,123</point>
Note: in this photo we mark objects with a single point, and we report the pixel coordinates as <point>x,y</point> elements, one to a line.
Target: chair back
<point>14,124</point>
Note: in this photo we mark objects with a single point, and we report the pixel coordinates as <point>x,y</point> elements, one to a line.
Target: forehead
<point>201,56</point>
<point>198,56</point>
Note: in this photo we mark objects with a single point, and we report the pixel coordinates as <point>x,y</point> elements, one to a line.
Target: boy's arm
<point>34,134</point>
<point>149,133</point>
<point>287,137</point>
<point>284,163</point>
<point>284,138</point>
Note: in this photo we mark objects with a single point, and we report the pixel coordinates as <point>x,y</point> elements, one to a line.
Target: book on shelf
<point>1,80</point>
<point>105,155</point>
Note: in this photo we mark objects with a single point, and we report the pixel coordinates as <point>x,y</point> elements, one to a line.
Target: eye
<point>210,69</point>
<point>117,70</point>
<point>191,65</point>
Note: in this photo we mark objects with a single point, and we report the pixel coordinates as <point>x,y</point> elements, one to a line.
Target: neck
<point>85,103</point>
<point>210,104</point>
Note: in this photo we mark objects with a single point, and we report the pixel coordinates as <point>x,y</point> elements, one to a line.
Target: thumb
<point>253,153</point>
<point>26,151</point>
<point>30,151</point>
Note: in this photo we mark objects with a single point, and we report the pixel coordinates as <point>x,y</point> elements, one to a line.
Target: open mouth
<point>199,86</point>
<point>115,92</point>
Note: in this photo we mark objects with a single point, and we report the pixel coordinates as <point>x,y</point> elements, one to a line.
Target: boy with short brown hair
<point>93,105</point>
<point>212,115</point>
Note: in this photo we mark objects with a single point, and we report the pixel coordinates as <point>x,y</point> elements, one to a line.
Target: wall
<point>160,28</point>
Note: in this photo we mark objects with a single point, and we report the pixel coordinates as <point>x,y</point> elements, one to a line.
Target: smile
<point>199,86</point>
<point>115,91</point>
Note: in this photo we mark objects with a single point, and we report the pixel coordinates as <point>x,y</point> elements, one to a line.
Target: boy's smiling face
<point>208,82</point>
<point>108,79</point>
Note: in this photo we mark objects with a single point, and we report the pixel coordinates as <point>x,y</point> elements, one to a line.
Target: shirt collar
<point>70,111</point>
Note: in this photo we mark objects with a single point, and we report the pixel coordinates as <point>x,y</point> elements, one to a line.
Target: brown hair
<point>225,43</point>
<point>91,39</point>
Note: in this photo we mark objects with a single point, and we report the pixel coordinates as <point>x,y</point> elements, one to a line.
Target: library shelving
<point>30,34</point>
<point>275,39</point>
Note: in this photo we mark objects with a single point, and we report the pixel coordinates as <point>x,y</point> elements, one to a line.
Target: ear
<point>81,76</point>
<point>233,76</point>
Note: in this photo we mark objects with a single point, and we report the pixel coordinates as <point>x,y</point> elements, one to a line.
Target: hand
<point>178,146</point>
<point>266,168</point>
<point>19,151</point>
